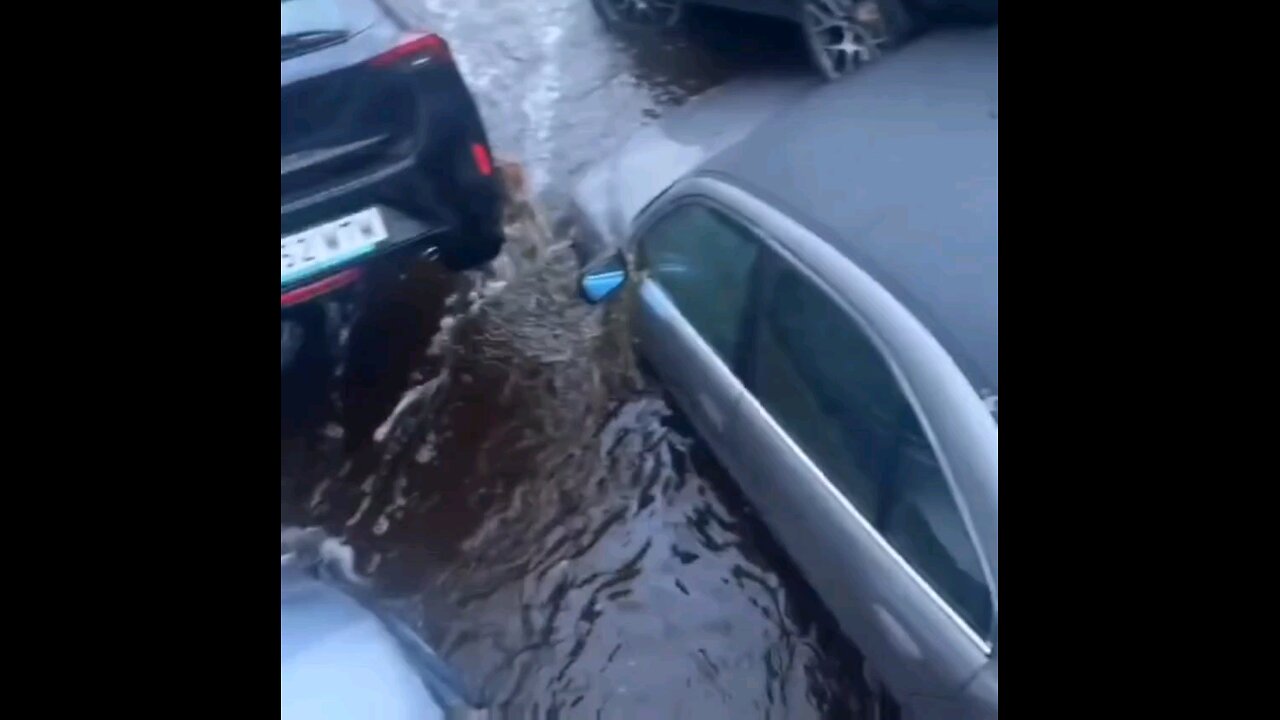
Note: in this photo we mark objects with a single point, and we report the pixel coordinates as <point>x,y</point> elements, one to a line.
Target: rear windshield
<point>303,16</point>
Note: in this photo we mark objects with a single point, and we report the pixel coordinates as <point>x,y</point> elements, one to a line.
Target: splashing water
<point>536,510</point>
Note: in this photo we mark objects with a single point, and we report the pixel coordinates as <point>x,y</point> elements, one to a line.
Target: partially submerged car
<point>383,155</point>
<point>819,288</point>
<point>341,656</point>
<point>344,659</point>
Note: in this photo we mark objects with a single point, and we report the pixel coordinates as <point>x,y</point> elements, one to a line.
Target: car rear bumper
<point>435,189</point>
<point>418,219</point>
<point>407,239</point>
<point>351,285</point>
<point>412,204</point>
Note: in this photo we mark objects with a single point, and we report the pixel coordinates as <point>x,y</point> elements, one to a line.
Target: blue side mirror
<point>603,278</point>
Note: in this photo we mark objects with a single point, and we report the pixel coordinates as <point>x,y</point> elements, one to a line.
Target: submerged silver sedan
<point>818,270</point>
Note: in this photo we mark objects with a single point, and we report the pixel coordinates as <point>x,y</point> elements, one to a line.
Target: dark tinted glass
<point>828,386</point>
<point>703,260</point>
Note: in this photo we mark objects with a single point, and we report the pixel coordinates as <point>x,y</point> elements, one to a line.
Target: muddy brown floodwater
<point>528,499</point>
<point>510,482</point>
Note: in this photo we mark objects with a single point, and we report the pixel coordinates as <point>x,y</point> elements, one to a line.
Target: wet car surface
<point>512,483</point>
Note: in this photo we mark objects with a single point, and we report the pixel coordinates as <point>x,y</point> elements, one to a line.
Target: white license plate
<point>326,246</point>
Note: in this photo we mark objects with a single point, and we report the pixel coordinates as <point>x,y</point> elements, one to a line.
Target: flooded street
<point>556,90</point>
<point>511,481</point>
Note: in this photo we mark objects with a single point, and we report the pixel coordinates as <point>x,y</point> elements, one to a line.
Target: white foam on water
<point>360,511</point>
<point>397,507</point>
<point>317,495</point>
<point>427,452</point>
<point>444,12</point>
<point>478,73</point>
<point>540,100</point>
<point>312,546</point>
<point>423,391</point>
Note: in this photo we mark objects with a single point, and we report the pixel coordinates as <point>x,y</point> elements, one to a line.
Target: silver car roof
<point>897,168</point>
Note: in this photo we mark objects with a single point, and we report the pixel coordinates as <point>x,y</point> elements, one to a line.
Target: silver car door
<point>824,422</point>
<point>696,263</point>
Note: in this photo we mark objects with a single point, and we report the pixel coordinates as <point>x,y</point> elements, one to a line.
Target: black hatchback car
<point>383,155</point>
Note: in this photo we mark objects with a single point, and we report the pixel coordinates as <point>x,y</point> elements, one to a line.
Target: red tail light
<point>484,163</point>
<point>415,50</point>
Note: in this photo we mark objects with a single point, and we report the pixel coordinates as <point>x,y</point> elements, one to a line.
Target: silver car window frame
<point>675,202</point>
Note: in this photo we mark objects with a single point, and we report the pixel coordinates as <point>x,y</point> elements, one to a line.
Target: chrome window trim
<point>884,544</point>
<point>704,349</point>
<point>687,329</point>
<point>768,224</point>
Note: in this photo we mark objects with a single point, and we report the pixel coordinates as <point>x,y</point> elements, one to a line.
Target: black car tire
<point>894,26</point>
<point>615,16</point>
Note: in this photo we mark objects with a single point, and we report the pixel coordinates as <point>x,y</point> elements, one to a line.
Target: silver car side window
<point>703,260</point>
<point>826,383</point>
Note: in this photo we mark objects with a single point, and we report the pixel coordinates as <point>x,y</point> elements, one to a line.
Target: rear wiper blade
<point>310,38</point>
<point>309,35</point>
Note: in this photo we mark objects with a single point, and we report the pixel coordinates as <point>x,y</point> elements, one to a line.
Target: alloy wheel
<point>842,35</point>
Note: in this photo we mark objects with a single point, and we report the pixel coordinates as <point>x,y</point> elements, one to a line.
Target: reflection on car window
<point>922,521</point>
<point>829,387</point>
<point>301,16</point>
<point>703,260</point>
